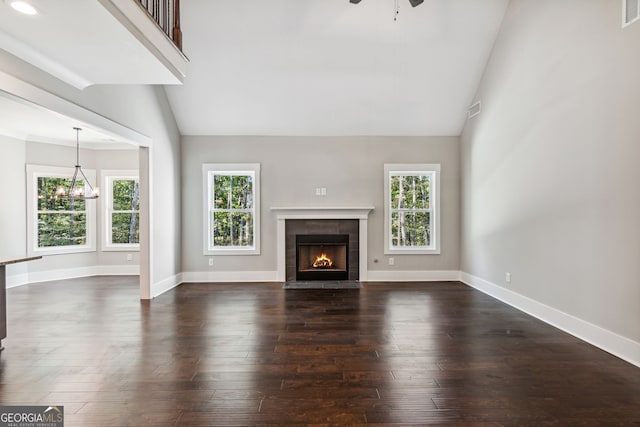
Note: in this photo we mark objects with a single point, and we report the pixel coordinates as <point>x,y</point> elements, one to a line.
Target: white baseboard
<point>622,347</point>
<point>165,285</point>
<point>60,274</point>
<point>229,276</point>
<point>17,280</point>
<point>272,276</point>
<point>412,276</point>
<point>117,270</point>
<point>96,270</point>
<point>71,273</point>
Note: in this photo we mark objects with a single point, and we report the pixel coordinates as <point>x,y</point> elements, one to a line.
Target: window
<point>630,11</point>
<point>121,203</point>
<point>57,225</point>
<point>411,207</point>
<point>231,209</point>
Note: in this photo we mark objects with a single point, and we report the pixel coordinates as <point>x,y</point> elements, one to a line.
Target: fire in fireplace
<point>322,256</point>
<point>323,261</point>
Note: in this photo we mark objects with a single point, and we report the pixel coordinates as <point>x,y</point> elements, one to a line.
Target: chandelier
<point>78,190</point>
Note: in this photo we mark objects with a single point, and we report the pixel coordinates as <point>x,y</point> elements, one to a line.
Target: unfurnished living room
<point>319,212</point>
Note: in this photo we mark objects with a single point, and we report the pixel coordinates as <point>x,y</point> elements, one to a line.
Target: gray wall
<point>13,222</point>
<point>146,109</point>
<point>550,167</point>
<point>351,168</point>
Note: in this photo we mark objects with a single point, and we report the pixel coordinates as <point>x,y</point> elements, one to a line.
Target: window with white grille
<point>231,209</point>
<point>412,208</point>
<point>121,204</point>
<point>58,224</point>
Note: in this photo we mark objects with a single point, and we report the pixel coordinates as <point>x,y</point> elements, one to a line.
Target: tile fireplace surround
<point>285,213</point>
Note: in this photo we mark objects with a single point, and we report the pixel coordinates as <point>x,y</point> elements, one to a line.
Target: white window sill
<point>121,248</point>
<point>411,251</point>
<point>230,251</point>
<point>67,250</point>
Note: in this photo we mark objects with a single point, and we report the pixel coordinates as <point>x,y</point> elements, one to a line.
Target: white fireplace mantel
<point>323,213</point>
<point>359,213</point>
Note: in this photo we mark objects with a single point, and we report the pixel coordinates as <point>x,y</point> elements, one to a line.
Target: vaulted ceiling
<point>329,67</point>
<point>281,67</point>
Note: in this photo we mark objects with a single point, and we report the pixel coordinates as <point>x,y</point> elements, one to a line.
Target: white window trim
<point>34,171</point>
<point>208,169</point>
<point>107,178</point>
<point>421,169</point>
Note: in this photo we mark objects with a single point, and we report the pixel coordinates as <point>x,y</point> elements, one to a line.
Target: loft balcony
<point>84,43</point>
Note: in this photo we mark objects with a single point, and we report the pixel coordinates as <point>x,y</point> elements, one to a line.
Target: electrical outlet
<point>323,191</point>
<point>507,277</point>
<point>392,261</point>
<point>129,257</point>
<point>318,191</point>
<point>210,261</point>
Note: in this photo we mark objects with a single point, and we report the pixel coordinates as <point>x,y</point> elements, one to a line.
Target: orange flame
<point>323,261</point>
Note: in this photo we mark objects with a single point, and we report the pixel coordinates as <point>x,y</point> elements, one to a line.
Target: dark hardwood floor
<point>247,354</point>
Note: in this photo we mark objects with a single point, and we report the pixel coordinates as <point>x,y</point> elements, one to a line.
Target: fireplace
<point>322,220</point>
<point>322,257</point>
<point>308,239</point>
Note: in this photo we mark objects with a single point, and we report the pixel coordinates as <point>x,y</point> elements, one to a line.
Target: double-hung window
<point>231,209</point>
<point>121,203</point>
<point>58,224</point>
<point>412,203</point>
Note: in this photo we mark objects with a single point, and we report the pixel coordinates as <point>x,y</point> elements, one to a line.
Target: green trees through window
<point>410,210</point>
<point>231,201</point>
<point>56,222</point>
<point>65,224</point>
<point>125,211</point>
<point>233,213</point>
<point>61,221</point>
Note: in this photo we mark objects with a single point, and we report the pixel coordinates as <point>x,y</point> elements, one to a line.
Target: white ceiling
<point>26,121</point>
<point>328,67</point>
<point>82,43</point>
<point>279,67</point>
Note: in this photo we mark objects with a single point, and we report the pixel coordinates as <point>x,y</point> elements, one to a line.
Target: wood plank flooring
<point>256,354</point>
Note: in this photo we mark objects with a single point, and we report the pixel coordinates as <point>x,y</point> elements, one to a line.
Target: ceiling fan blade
<point>415,3</point>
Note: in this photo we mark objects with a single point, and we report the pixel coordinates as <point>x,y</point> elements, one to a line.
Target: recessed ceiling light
<point>23,7</point>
